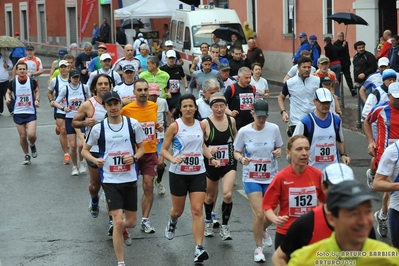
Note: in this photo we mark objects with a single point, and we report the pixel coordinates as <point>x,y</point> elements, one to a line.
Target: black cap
<point>224,66</point>
<point>111,95</point>
<point>325,80</point>
<point>128,68</point>
<point>74,73</point>
<point>261,108</point>
<point>30,47</point>
<point>206,58</point>
<point>348,194</point>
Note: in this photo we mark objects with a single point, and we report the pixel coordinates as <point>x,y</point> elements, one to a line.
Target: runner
<point>386,180</point>
<point>34,64</point>
<point>54,87</point>
<point>156,75</point>
<point>74,95</point>
<point>240,98</point>
<point>163,118</point>
<point>312,226</point>
<point>145,112</point>
<point>128,59</point>
<point>83,61</point>
<point>106,63</point>
<point>262,88</point>
<point>187,170</point>
<point>197,60</point>
<point>323,129</point>
<point>27,100</point>
<point>350,212</point>
<point>118,174</point>
<point>257,147</point>
<point>125,89</point>
<point>95,64</point>
<point>209,87</point>
<point>71,61</point>
<point>176,74</point>
<point>90,113</point>
<point>296,188</point>
<point>56,63</point>
<point>219,133</point>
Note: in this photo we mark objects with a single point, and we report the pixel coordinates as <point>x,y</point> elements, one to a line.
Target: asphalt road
<point>45,218</point>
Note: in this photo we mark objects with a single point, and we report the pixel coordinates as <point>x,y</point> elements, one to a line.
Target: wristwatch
<point>282,111</point>
<point>135,159</point>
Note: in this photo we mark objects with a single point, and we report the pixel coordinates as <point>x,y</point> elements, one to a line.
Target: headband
<point>219,100</point>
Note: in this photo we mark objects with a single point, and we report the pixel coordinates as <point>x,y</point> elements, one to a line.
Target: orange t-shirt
<point>147,117</point>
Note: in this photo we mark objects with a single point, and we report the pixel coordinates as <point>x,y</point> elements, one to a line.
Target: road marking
<point>39,126</point>
<point>242,192</point>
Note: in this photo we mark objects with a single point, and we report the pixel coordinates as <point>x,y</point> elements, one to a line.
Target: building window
<point>23,21</point>
<point>8,19</point>
<point>251,14</point>
<point>289,15</point>
<point>328,11</point>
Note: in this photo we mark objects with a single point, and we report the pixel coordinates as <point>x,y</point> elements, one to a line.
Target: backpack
<point>233,89</point>
<point>308,129</point>
<point>101,139</point>
<point>112,76</point>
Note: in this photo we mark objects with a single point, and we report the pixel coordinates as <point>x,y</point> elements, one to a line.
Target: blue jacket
<point>393,56</point>
<point>18,52</point>
<point>304,46</point>
<point>222,60</point>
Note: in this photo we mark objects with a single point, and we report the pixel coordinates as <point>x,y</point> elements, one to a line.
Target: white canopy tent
<point>149,9</point>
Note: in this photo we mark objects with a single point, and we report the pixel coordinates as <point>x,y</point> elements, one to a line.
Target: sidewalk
<point>349,111</point>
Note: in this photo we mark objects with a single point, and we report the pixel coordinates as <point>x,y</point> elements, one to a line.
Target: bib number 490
<point>191,160</point>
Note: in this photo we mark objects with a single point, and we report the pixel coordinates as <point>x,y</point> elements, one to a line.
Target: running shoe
<point>258,255</point>
<point>146,227</point>
<point>126,237</point>
<point>200,254</point>
<point>94,209</point>
<point>57,130</point>
<point>267,239</point>
<point>33,151</point>
<point>170,230</point>
<point>66,158</point>
<point>82,167</point>
<point>160,188</point>
<point>225,232</point>
<point>215,221</point>
<point>370,178</point>
<point>209,229</point>
<point>27,160</point>
<point>75,171</point>
<point>110,227</point>
<point>382,225</point>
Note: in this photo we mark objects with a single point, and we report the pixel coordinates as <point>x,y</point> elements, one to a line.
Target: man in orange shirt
<point>145,112</point>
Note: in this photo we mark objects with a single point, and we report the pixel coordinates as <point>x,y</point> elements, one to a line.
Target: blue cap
<point>302,34</point>
<point>62,52</point>
<point>313,38</point>
<point>388,74</point>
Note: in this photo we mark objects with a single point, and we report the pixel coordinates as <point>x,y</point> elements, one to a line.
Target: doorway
<point>387,16</point>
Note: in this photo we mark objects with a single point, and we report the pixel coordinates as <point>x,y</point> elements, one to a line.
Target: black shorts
<point>69,128</point>
<point>215,174</point>
<point>394,227</point>
<point>181,184</point>
<point>173,102</point>
<point>59,116</point>
<point>121,196</point>
<point>90,163</point>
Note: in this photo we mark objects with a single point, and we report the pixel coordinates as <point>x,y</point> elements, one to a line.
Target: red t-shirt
<point>296,194</point>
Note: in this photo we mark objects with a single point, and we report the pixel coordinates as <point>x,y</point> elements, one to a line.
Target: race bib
<point>191,162</point>
<point>301,200</point>
<point>24,99</point>
<point>222,155</point>
<point>246,101</point>
<point>116,163</point>
<point>75,103</point>
<point>259,168</point>
<point>325,153</point>
<point>174,85</point>
<point>149,130</point>
<point>259,95</point>
<point>391,141</point>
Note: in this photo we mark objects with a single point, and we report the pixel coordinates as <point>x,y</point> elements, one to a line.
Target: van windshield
<point>203,33</point>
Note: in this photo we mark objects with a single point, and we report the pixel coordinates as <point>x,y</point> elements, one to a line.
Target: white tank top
<point>76,97</point>
<point>117,145</point>
<point>187,143</point>
<point>323,149</point>
<point>24,100</point>
<point>125,91</point>
<point>98,114</point>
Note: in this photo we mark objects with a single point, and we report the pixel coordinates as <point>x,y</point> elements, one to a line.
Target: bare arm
<point>362,93</point>
<point>382,183</point>
<point>281,105</point>
<point>194,64</point>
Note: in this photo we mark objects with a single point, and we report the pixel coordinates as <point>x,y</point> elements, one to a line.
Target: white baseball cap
<point>169,43</point>
<point>63,63</point>
<point>323,95</point>
<point>383,61</point>
<point>171,53</point>
<point>393,89</point>
<point>336,173</point>
<point>105,56</point>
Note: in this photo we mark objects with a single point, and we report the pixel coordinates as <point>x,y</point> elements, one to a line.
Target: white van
<point>190,28</point>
